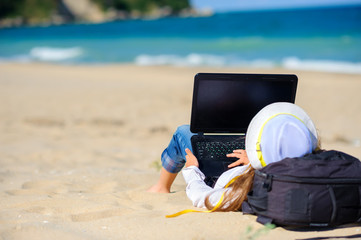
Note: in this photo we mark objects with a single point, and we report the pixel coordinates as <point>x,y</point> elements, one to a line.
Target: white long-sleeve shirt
<point>197,190</point>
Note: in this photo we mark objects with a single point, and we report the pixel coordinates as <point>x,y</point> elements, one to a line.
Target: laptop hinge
<point>200,134</point>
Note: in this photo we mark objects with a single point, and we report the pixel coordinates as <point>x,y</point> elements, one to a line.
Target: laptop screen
<point>226,103</point>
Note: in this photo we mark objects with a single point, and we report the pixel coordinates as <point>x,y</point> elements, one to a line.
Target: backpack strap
<point>246,208</point>
<point>264,220</point>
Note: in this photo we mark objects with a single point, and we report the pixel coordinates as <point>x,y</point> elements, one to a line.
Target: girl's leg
<point>173,159</point>
<point>164,183</point>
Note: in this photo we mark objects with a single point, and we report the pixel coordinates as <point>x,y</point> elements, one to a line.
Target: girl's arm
<point>197,190</point>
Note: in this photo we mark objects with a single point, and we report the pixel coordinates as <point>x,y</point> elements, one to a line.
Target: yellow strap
<point>215,207</point>
<point>192,210</point>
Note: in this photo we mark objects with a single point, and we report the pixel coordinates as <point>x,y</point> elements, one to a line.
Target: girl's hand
<point>191,160</point>
<point>241,155</point>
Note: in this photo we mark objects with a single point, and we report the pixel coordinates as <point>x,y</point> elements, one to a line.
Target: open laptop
<point>222,108</point>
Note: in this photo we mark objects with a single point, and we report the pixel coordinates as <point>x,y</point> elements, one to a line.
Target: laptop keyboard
<point>217,150</point>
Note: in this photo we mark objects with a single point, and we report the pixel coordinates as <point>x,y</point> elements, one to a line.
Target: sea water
<point>326,39</point>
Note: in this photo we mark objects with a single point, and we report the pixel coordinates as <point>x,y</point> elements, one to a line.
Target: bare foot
<point>164,183</point>
<point>158,189</point>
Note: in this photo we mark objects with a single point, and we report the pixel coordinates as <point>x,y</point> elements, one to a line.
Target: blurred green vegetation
<point>28,9</point>
<point>143,6</point>
<point>43,9</point>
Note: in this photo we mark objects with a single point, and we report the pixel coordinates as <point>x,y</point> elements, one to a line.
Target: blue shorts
<point>173,157</point>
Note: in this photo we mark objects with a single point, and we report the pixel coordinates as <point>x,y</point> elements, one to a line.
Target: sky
<point>233,5</point>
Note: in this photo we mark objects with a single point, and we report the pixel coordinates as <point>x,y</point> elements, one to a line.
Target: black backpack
<point>321,189</point>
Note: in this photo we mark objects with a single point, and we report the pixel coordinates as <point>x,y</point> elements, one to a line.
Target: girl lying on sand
<point>278,131</point>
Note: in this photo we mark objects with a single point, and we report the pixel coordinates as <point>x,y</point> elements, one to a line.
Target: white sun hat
<point>278,131</point>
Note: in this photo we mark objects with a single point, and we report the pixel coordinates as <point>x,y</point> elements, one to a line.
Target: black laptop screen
<point>226,103</point>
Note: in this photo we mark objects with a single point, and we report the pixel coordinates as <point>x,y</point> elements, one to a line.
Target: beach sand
<point>79,145</point>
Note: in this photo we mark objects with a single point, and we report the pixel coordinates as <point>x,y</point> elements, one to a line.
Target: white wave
<point>54,54</point>
<point>322,65</point>
<point>194,59</point>
<point>292,63</point>
<point>189,60</point>
<point>16,58</point>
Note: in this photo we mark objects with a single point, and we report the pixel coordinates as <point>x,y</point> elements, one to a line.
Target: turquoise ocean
<point>325,39</point>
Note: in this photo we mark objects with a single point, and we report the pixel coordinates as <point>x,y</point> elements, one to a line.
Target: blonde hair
<point>234,198</point>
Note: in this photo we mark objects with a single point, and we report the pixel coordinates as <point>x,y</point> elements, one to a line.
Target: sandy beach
<point>79,145</point>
